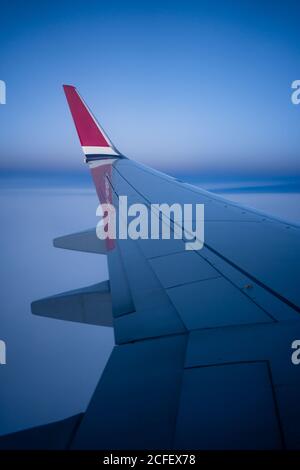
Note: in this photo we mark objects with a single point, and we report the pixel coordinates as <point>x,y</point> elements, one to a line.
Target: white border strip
<point>97,124</point>
<point>99,151</point>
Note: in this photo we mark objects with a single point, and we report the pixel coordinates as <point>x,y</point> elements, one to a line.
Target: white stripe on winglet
<point>99,151</point>
<point>105,161</point>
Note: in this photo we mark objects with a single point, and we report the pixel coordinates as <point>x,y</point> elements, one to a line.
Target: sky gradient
<point>186,87</point>
<point>197,89</point>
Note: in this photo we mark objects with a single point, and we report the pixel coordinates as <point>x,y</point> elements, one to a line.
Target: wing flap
<point>86,241</point>
<point>90,305</point>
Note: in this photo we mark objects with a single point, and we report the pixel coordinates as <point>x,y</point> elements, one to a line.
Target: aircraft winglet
<point>95,143</point>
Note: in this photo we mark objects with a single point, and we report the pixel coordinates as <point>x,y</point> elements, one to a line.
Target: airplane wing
<point>204,337</point>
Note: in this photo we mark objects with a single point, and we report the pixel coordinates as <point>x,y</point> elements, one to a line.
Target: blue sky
<point>198,88</point>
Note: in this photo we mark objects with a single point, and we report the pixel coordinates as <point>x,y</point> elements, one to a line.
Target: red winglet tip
<point>92,137</point>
